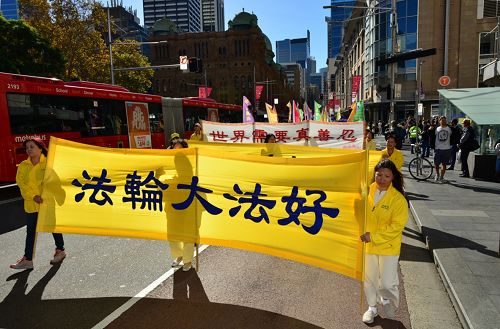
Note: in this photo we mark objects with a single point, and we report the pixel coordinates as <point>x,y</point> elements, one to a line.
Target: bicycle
<point>420,168</point>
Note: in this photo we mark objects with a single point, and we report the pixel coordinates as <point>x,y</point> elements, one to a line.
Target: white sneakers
<point>22,264</point>
<point>389,310</point>
<point>369,316</point>
<point>177,262</point>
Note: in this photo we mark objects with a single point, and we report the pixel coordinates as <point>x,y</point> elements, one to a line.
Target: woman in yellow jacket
<point>29,179</point>
<point>384,231</point>
<point>197,135</point>
<point>392,153</point>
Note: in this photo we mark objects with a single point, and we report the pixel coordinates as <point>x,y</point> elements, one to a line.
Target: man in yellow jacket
<point>383,236</point>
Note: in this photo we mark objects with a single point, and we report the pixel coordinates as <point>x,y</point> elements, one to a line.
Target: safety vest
<point>414,131</point>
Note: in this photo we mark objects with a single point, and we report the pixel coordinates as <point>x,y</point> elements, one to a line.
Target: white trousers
<point>182,249</point>
<point>381,279</point>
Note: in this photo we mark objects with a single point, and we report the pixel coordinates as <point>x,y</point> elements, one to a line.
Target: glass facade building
<point>336,27</point>
<point>10,9</point>
<point>186,14</point>
<point>294,50</point>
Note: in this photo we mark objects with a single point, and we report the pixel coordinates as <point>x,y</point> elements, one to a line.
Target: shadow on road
<point>387,323</point>
<point>441,240</point>
<point>415,196</point>
<point>477,188</point>
<point>191,308</point>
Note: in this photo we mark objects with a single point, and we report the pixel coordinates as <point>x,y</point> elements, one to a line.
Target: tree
<point>78,27</point>
<point>24,51</point>
<point>126,54</point>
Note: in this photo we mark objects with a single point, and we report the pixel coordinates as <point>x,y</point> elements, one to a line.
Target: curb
<point>459,309</point>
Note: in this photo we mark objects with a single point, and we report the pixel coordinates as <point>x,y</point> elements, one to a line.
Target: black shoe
<point>451,168</point>
<point>464,176</point>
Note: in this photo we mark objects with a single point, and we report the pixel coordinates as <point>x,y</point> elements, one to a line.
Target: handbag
<point>474,145</point>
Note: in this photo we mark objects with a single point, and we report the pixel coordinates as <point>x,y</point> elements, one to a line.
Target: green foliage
<point>24,51</point>
<point>79,28</point>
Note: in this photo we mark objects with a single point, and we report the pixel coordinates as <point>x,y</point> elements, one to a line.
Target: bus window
<point>155,118</point>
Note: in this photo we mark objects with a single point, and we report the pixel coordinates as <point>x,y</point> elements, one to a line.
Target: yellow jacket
<point>386,222</point>
<point>195,137</point>
<point>29,178</point>
<point>396,157</point>
<point>371,145</point>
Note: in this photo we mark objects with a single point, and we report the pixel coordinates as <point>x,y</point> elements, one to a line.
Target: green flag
<point>301,115</point>
<point>317,111</point>
<point>360,112</point>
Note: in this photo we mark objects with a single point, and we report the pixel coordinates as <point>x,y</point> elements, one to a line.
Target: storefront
<point>482,106</point>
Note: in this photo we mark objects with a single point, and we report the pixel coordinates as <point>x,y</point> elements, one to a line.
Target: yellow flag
<point>353,112</point>
<point>272,115</point>
<point>309,209</point>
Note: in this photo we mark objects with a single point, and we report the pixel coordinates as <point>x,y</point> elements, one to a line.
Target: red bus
<point>88,112</point>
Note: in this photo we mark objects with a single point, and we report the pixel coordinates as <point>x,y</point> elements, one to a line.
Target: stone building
<point>233,62</point>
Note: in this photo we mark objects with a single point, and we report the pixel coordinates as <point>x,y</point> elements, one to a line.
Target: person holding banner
<point>198,134</point>
<point>392,153</point>
<point>383,236</point>
<point>270,138</point>
<point>182,252</point>
<point>370,143</point>
<point>29,178</point>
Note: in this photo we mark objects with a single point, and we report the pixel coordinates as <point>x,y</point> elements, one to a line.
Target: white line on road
<point>10,200</point>
<point>119,311</point>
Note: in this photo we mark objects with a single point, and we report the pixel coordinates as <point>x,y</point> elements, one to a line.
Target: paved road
<point>232,289</point>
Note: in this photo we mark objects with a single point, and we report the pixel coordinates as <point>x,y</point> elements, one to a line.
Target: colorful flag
<point>258,91</point>
<point>296,113</point>
<point>307,112</point>
<point>289,105</point>
<point>360,112</point>
<point>353,112</point>
<point>247,114</point>
<point>204,92</point>
<point>317,111</point>
<point>272,115</point>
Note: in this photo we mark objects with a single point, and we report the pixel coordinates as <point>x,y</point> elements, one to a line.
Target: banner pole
<point>363,252</point>
<point>197,257</point>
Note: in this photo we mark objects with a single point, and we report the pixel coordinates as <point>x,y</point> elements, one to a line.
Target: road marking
<point>460,213</point>
<point>119,311</point>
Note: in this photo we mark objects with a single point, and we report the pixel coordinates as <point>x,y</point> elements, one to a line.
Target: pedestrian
<point>392,153</point>
<point>425,141</point>
<point>270,138</point>
<point>181,252</point>
<point>29,178</point>
<point>197,135</point>
<point>466,145</point>
<point>455,139</point>
<point>442,149</point>
<point>414,131</point>
<point>173,138</point>
<point>497,168</point>
<point>370,143</point>
<point>383,236</point>
<point>380,127</point>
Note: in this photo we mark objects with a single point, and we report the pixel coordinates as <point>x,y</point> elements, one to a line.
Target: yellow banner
<point>307,209</point>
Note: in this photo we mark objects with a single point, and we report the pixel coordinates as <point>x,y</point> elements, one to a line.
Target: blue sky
<point>279,19</point>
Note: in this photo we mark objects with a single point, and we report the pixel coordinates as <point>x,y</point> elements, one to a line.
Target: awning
<point>480,104</point>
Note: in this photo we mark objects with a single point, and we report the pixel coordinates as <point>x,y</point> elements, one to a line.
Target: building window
<point>491,8</point>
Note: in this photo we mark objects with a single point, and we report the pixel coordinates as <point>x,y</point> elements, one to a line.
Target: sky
<point>279,19</point>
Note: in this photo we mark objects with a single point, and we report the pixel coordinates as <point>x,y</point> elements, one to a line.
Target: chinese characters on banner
<point>229,199</point>
<point>138,125</point>
<point>313,133</point>
<point>356,79</point>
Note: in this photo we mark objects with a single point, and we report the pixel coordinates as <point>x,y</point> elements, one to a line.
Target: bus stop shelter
<point>482,106</point>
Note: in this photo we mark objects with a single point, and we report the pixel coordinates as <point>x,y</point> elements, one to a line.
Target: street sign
<point>444,80</point>
<point>183,61</point>
<point>420,109</point>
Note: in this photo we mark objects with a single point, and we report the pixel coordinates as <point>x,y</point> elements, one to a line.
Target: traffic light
<point>195,65</point>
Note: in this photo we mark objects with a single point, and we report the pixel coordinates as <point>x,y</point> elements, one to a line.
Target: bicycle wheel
<point>420,168</point>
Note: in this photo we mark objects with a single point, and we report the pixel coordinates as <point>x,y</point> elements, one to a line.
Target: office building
<point>186,14</point>
<point>335,24</point>
<point>10,9</point>
<point>294,50</point>
<point>212,15</point>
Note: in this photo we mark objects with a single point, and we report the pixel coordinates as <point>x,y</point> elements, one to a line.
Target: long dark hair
<point>180,141</point>
<point>268,137</point>
<point>397,181</point>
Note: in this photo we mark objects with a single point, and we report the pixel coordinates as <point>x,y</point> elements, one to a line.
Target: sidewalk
<point>460,220</point>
